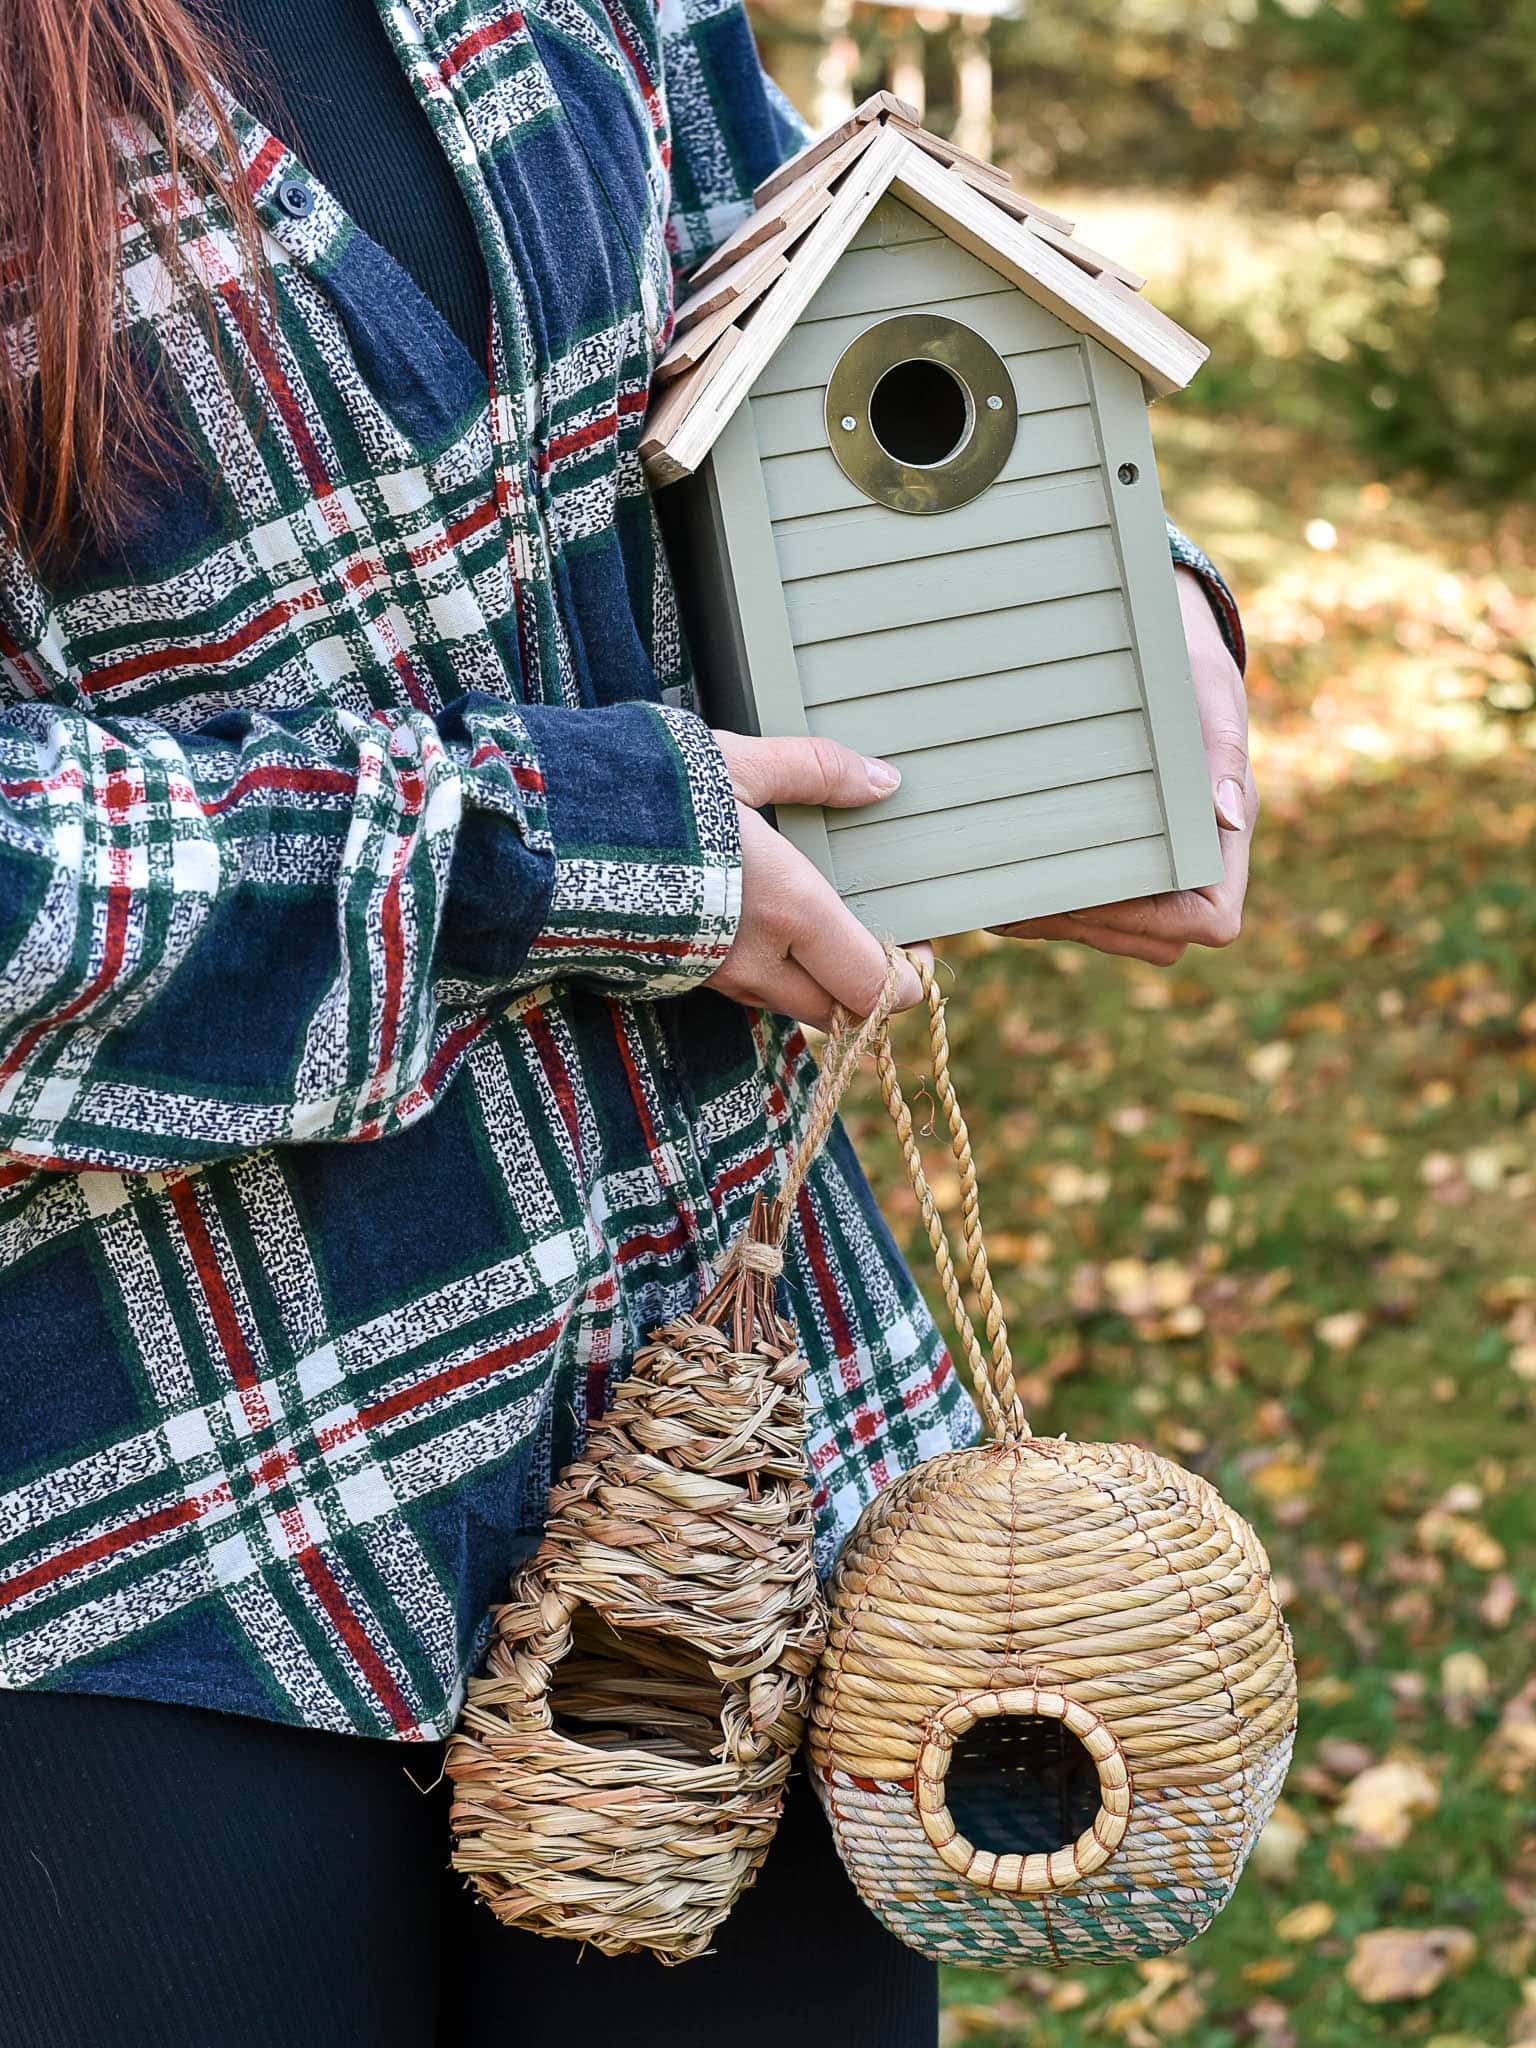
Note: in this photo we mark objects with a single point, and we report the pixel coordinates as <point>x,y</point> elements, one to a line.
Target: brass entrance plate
<point>921,413</point>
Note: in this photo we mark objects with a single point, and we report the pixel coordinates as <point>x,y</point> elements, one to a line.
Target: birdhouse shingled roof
<point>744,299</point>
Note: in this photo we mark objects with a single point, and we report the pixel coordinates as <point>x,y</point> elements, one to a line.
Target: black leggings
<point>177,1878</point>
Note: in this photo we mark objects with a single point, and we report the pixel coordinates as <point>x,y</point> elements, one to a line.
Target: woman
<point>396,991</point>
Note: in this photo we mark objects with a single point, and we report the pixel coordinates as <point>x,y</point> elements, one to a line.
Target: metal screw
<point>848,423</point>
<point>994,403</point>
<point>1127,472</point>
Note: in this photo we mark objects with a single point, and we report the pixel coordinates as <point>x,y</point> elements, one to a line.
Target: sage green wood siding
<point>1020,658</point>
<point>986,651</point>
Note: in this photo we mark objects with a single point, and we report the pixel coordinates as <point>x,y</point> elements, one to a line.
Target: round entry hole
<point>920,413</point>
<point>1021,1785</point>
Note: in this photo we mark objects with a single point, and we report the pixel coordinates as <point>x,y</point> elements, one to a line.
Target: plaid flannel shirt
<point>359,849</point>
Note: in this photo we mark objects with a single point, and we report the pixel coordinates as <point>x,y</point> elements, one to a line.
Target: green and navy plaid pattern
<point>360,856</point>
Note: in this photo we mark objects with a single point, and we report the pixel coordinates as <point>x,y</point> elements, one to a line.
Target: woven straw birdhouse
<point>1058,1698</point>
<point>620,1765</point>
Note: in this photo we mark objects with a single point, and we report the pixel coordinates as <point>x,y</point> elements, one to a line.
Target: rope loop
<point>991,1370</point>
<point>992,1377</point>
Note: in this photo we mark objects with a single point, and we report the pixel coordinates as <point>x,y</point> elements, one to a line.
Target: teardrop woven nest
<point>1074,1648</point>
<point>619,1767</point>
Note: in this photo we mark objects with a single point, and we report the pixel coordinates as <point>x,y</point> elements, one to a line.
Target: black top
<point>322,75</point>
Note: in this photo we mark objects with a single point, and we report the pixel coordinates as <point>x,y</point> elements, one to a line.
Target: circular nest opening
<point>920,413</point>
<point>1021,1785</point>
<point>1022,1790</point>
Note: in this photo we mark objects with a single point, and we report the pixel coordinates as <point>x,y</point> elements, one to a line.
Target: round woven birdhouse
<point>1058,1698</point>
<point>1057,1703</point>
<point>620,1764</point>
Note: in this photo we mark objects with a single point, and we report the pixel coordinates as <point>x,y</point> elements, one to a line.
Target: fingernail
<point>883,778</point>
<point>1230,807</point>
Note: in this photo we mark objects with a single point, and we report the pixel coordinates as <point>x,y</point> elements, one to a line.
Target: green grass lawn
<point>1274,1213</point>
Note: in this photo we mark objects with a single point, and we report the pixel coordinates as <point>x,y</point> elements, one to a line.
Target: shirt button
<point>296,198</point>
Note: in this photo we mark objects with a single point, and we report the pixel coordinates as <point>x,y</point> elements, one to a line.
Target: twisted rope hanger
<point>992,1375</point>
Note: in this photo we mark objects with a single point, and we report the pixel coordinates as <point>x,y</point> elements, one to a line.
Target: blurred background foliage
<point>1274,1212</point>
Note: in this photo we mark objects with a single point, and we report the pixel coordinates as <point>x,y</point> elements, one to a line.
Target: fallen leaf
<point>1342,1332</point>
<point>1267,1970</point>
<point>1464,1682</point>
<point>1067,1994</point>
<point>1267,1063</point>
<point>1511,1751</point>
<point>1279,1846</point>
<point>1344,1758</point>
<point>1283,1478</point>
<point>1382,1804</point>
<point>1271,2023</point>
<point>1497,1607</point>
<point>1305,1923</point>
<point>1225,1109</point>
<point>1464,1538</point>
<point>1406,1962</point>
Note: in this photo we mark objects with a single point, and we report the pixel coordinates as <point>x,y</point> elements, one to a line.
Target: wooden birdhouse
<point>904,473</point>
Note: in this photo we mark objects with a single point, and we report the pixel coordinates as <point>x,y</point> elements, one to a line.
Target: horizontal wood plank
<point>1050,443</point>
<point>1044,380</point>
<point>954,587</point>
<point>1023,699</point>
<point>835,670</point>
<point>872,535</point>
<point>869,280</point>
<point>972,837</point>
<point>982,771</point>
<point>1004,318</point>
<point>1006,894</point>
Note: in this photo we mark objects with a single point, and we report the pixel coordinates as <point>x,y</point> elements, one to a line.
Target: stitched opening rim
<point>1016,1874</point>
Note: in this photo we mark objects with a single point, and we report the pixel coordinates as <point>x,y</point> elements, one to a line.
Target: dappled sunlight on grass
<point>1385,624</point>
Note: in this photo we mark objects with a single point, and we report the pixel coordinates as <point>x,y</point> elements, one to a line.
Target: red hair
<point>67,68</point>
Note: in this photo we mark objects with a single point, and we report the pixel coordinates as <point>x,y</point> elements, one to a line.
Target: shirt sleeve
<point>729,125</point>
<point>286,927</point>
<point>1187,556</point>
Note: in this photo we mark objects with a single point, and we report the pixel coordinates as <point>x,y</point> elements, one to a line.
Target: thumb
<point>1224,728</point>
<point>804,771</point>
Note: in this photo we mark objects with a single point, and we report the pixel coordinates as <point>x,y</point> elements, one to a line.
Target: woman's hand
<point>799,949</point>
<point>1159,928</point>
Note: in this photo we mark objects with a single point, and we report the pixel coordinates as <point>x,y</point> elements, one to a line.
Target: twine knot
<point>750,1255</point>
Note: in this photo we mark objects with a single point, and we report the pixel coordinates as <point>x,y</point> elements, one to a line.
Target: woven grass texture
<point>620,1765</point>
<point>1059,1698</point>
<point>1112,1615</point>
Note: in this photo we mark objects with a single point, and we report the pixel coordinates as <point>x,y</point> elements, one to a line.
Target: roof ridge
<point>743,282</point>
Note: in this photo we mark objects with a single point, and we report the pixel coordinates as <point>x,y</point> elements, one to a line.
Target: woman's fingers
<point>799,949</point>
<point>847,969</point>
<point>777,984</point>
<point>804,771</point>
<point>1211,916</point>
<point>1102,938</point>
